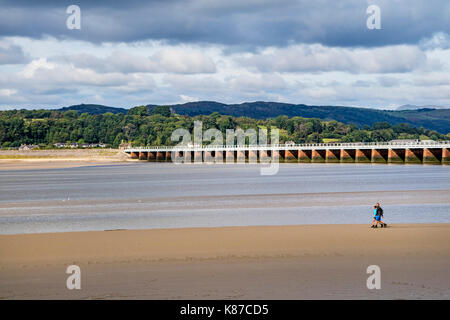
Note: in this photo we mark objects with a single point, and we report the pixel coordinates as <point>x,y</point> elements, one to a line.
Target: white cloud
<point>185,98</point>
<point>40,64</point>
<point>164,61</point>
<point>318,58</point>
<point>41,71</point>
<point>431,79</point>
<point>439,40</point>
<point>184,61</point>
<point>258,82</point>
<point>65,72</point>
<point>7,92</point>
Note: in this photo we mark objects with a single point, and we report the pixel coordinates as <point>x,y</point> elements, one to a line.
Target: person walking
<point>377,216</point>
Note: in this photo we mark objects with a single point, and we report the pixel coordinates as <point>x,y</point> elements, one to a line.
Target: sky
<point>129,53</point>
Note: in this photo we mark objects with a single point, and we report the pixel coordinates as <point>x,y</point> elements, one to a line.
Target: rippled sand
<point>281,262</point>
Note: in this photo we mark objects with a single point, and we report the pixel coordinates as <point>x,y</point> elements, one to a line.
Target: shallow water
<point>164,195</point>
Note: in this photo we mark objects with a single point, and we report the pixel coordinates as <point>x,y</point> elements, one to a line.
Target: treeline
<point>140,127</point>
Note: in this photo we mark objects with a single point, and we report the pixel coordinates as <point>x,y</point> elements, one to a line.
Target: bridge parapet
<point>359,152</point>
<point>304,146</point>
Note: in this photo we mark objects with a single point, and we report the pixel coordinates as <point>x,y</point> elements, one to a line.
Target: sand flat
<point>42,164</point>
<point>59,158</point>
<point>271,262</point>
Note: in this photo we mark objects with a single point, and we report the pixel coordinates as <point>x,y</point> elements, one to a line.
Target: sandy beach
<point>63,158</point>
<point>262,262</point>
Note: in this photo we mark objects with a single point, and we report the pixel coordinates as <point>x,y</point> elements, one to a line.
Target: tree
<point>162,110</point>
<point>224,123</point>
<point>140,128</point>
<point>381,125</point>
<point>118,140</point>
<point>71,114</point>
<point>140,111</point>
<point>314,138</point>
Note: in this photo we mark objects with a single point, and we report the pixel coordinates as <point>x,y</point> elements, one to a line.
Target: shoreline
<point>226,261</point>
<point>61,163</point>
<point>55,158</point>
<point>41,164</point>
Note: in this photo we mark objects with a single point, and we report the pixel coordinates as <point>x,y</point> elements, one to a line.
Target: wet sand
<point>285,200</point>
<point>273,262</point>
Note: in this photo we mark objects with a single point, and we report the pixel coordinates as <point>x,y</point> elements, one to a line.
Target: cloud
<point>257,82</point>
<point>388,81</point>
<point>432,79</point>
<point>41,71</point>
<point>12,54</point>
<point>232,23</point>
<point>40,64</point>
<point>439,40</point>
<point>300,51</point>
<point>185,98</point>
<point>318,58</point>
<point>363,83</point>
<point>184,61</point>
<point>7,92</point>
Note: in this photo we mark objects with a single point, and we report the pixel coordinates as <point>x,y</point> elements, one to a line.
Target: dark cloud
<point>232,23</point>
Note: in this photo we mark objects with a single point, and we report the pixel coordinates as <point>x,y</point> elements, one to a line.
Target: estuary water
<point>165,195</point>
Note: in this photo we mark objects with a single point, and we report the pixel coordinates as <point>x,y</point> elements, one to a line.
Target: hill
<point>50,128</point>
<point>414,107</point>
<point>94,109</point>
<point>432,119</point>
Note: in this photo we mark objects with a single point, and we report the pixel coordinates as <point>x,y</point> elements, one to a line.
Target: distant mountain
<point>414,107</point>
<point>433,119</point>
<point>94,109</point>
<point>263,110</point>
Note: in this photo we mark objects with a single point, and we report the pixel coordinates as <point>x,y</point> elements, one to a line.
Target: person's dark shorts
<point>378,218</point>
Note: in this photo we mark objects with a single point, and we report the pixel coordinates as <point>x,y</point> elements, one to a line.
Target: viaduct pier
<point>419,152</point>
